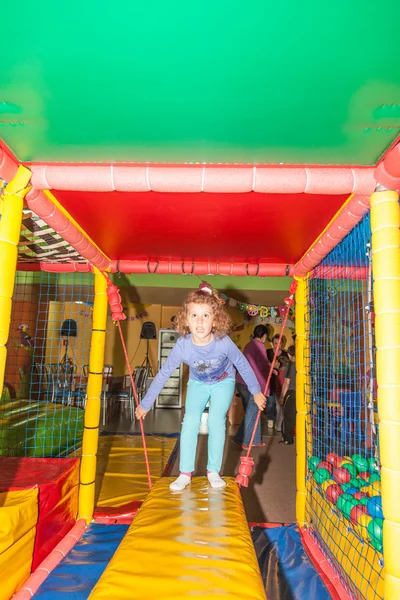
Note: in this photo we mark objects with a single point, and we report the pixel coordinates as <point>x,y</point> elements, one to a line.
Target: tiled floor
<point>271,494</point>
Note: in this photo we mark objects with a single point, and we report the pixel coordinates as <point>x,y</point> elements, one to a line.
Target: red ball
<point>356,512</point>
<point>364,475</point>
<point>359,495</point>
<point>326,465</point>
<point>341,475</point>
<point>334,459</point>
<point>333,492</point>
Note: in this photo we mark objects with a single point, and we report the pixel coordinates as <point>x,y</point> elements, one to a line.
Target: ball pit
<point>352,484</point>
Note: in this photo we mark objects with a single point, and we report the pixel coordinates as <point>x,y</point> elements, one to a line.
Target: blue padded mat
<point>286,569</point>
<point>77,574</point>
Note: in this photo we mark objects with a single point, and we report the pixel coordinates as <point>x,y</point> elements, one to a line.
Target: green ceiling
<point>216,81</point>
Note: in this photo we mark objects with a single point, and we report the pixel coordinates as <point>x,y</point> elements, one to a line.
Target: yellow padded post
<point>92,410</point>
<point>11,220</point>
<point>300,402</point>
<point>385,224</point>
<point>191,544</point>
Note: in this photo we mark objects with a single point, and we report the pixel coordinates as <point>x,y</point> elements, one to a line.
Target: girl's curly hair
<point>222,323</point>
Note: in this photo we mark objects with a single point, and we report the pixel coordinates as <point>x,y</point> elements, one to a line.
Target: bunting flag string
<point>253,310</point>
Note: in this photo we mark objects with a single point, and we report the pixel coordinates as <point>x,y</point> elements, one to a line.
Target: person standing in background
<point>275,387</point>
<point>279,379</point>
<point>255,353</point>
<point>288,398</point>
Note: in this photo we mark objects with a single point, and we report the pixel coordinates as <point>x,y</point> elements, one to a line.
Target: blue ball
<point>374,507</point>
<point>352,490</point>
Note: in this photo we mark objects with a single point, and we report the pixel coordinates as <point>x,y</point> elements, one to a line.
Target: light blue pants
<point>198,394</point>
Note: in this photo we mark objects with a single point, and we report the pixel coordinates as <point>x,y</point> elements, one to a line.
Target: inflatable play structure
<point>197,166</point>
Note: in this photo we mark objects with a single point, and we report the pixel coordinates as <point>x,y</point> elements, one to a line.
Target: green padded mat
<point>40,429</point>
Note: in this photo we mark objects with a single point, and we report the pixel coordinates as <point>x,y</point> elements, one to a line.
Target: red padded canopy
<point>248,227</point>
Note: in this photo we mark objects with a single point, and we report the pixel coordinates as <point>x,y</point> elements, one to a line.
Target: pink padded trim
<point>50,562</point>
<point>41,205</point>
<point>8,167</point>
<point>350,215</point>
<point>198,178</point>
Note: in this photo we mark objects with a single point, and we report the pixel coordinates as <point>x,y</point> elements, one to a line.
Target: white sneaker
<point>270,424</point>
<point>215,480</point>
<point>179,484</point>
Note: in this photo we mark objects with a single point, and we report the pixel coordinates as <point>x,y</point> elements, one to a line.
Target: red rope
<point>289,302</point>
<point>117,313</point>
<point>137,403</point>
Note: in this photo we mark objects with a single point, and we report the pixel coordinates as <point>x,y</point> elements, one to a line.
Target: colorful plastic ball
<point>350,468</point>
<point>371,464</point>
<point>325,465</point>
<point>344,500</point>
<point>363,500</point>
<point>346,486</point>
<point>375,487</point>
<point>325,484</point>
<point>356,482</point>
<point>376,544</point>
<point>366,489</point>
<point>374,477</point>
<point>341,475</point>
<point>362,525</point>
<point>357,511</point>
<point>374,506</point>
<point>351,490</point>
<point>375,529</point>
<point>348,507</point>
<point>321,475</point>
<point>364,475</point>
<point>334,459</point>
<point>333,492</point>
<point>358,495</point>
<point>313,462</point>
<point>360,462</point>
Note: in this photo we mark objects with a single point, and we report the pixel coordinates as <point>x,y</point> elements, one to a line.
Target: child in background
<point>211,355</point>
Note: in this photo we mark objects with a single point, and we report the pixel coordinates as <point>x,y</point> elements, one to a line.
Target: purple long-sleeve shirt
<point>256,354</point>
<point>208,364</point>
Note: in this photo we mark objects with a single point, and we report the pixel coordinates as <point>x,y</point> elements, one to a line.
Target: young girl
<point>211,356</point>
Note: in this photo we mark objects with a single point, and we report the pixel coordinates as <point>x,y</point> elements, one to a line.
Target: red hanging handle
<point>247,462</point>
<point>117,313</point>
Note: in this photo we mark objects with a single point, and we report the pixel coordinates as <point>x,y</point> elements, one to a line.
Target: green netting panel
<point>42,405</point>
<point>344,507</point>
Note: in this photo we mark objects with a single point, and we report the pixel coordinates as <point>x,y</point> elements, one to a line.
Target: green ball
<point>343,500</point>
<point>346,486</point>
<point>350,468</point>
<point>358,483</point>
<point>364,500</point>
<point>360,463</point>
<point>375,530</point>
<point>376,544</point>
<point>374,477</point>
<point>313,462</point>
<point>347,506</point>
<point>346,510</point>
<point>321,475</point>
<point>371,464</point>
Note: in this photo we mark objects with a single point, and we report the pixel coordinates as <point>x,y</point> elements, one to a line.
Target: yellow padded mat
<point>18,518</point>
<point>189,544</point>
<point>121,469</point>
